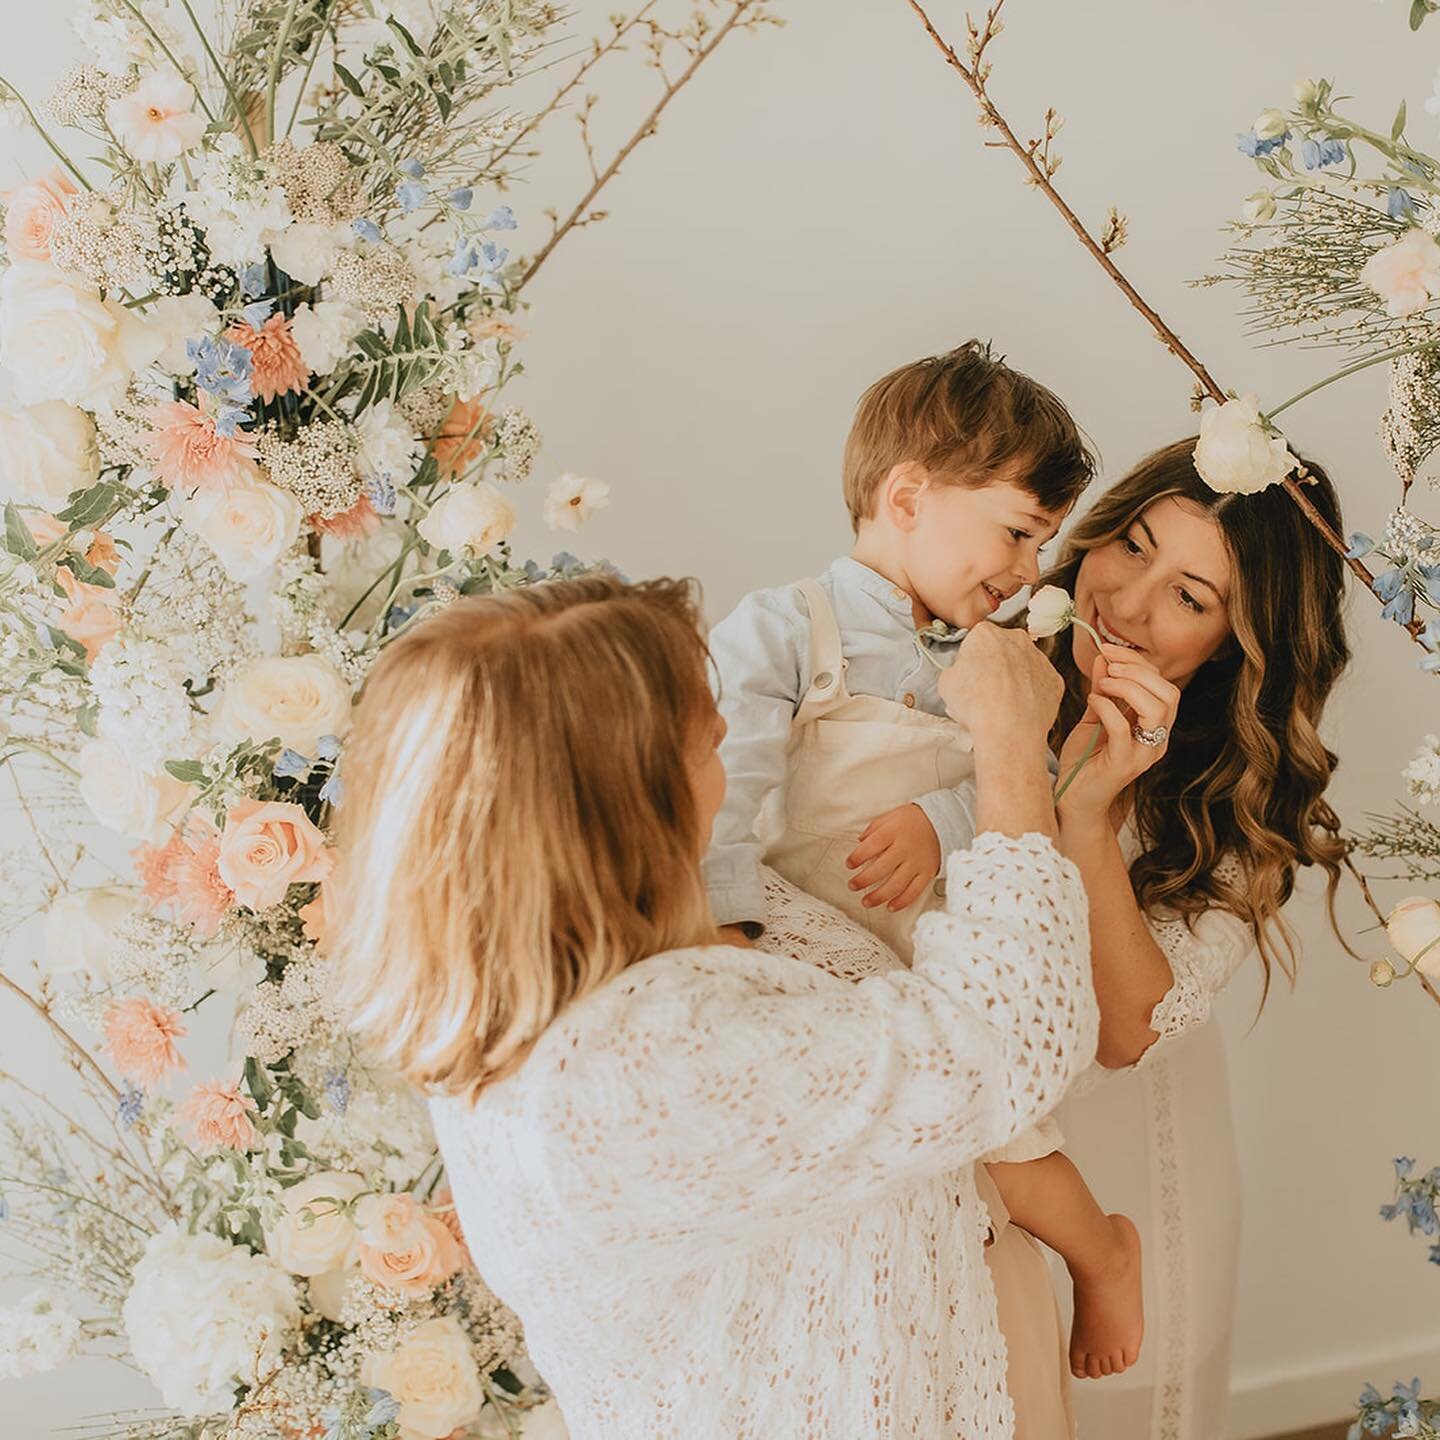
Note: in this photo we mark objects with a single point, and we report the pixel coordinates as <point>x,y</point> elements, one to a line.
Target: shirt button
<point>939,888</point>
<point>909,700</point>
<point>824,680</point>
<point>899,594</point>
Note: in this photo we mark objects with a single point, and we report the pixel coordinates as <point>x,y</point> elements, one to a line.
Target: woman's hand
<point>1126,693</point>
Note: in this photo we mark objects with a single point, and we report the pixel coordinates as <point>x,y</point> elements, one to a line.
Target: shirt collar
<point>851,574</point>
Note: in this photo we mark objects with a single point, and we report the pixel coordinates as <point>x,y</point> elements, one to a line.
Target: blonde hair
<point>518,825</point>
<point>970,420</point>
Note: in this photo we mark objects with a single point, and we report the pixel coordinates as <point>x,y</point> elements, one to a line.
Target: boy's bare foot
<point>1109,1312</point>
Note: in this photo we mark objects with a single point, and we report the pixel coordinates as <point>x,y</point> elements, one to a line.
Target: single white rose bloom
<point>200,1314</point>
<point>176,319</point>
<point>1259,207</point>
<point>60,341</point>
<point>1270,125</point>
<point>38,1334</point>
<point>324,1243</point>
<point>125,798</point>
<point>46,452</point>
<point>305,251</point>
<point>1049,612</point>
<point>80,928</point>
<point>433,1376</point>
<point>1413,927</point>
<point>1235,453</point>
<point>323,332</point>
<point>1405,275</point>
<point>571,499</point>
<point>475,517</point>
<point>298,698</point>
<point>249,526</point>
<point>156,122</point>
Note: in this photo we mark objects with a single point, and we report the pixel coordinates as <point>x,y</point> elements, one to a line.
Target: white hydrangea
<point>389,447</point>
<point>476,369</point>
<point>201,1313</point>
<point>143,705</point>
<point>323,332</point>
<point>238,209</point>
<point>1422,774</point>
<point>38,1334</point>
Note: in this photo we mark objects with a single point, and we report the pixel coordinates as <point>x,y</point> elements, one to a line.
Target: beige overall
<point>852,758</point>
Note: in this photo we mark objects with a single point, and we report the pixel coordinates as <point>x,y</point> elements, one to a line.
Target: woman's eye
<point>1129,546</point>
<point>1188,600</point>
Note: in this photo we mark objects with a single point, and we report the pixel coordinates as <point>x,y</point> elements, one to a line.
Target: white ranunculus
<point>571,499</point>
<point>1049,612</point>
<point>1236,454</point>
<point>298,698</point>
<point>249,526</point>
<point>38,1334</point>
<point>125,798</point>
<point>1413,928</point>
<point>174,319</point>
<point>1405,275</point>
<point>433,1376</point>
<point>60,341</point>
<point>327,1241</point>
<point>1270,125</point>
<point>474,517</point>
<point>389,447</point>
<point>305,251</point>
<point>201,1312</point>
<point>80,928</point>
<point>323,332</point>
<point>46,452</point>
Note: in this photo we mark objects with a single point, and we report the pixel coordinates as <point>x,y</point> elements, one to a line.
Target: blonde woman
<point>729,1194</point>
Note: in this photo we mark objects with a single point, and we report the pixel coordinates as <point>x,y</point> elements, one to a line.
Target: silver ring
<point>1158,736</point>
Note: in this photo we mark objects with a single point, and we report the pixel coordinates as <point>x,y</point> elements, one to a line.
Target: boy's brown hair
<point>969,419</point>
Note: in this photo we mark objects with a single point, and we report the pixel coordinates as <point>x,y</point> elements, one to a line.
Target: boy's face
<point>967,550</point>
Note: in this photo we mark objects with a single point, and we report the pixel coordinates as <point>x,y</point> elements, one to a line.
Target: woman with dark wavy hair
<point>1221,617</point>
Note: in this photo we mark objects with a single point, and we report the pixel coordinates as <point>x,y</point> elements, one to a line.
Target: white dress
<point>731,1195</point>
<point>1157,1142</point>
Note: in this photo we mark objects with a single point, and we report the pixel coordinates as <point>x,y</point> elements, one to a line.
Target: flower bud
<point>1382,973</point>
<point>1270,124</point>
<point>1414,931</point>
<point>1306,92</point>
<point>1259,207</point>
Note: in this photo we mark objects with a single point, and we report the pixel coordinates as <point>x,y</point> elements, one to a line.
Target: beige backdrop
<point>819,207</point>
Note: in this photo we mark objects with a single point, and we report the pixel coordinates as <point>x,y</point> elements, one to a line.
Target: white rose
<point>1049,612</point>
<point>305,251</point>
<point>1413,927</point>
<point>249,526</point>
<point>47,451</point>
<point>298,698</point>
<point>60,341</point>
<point>474,517</point>
<point>1270,125</point>
<point>328,1292</point>
<point>199,1315</point>
<point>327,1242</point>
<point>124,797</point>
<point>174,319</point>
<point>1405,275</point>
<point>80,930</point>
<point>323,332</point>
<point>433,1376</point>
<point>571,499</point>
<point>1235,453</point>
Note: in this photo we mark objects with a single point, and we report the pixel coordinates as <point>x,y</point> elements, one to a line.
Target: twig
<point>1379,914</point>
<point>66,1038</point>
<point>647,127</point>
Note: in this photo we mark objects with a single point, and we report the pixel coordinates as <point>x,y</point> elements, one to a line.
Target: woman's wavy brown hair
<point>1245,772</point>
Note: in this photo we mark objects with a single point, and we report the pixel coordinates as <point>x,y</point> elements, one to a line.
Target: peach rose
<point>141,1036</point>
<point>90,619</point>
<point>389,1222</point>
<point>449,1217</point>
<point>217,1117</point>
<point>432,1374</point>
<point>430,1258</point>
<point>266,847</point>
<point>31,211</point>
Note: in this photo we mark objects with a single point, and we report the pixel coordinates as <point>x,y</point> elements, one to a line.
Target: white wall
<point>818,208</point>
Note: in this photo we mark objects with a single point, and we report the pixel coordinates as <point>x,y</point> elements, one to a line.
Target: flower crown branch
<point>1040,176</point>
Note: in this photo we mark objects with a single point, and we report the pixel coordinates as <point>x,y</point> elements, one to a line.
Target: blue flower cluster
<point>1400,585</point>
<point>1252,145</point>
<point>223,372</point>
<point>1317,154</point>
<point>1404,1413</point>
<point>1415,1197</point>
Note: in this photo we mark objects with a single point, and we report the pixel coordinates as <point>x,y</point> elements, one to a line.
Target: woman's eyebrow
<point>1188,574</point>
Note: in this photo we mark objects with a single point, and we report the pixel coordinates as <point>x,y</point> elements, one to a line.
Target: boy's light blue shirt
<point>762,657</point>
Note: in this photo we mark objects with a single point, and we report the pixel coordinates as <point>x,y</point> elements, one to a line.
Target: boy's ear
<point>900,493</point>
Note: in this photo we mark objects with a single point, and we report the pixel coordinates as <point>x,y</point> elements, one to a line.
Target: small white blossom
<point>571,499</point>
<point>1422,774</point>
<point>36,1335</point>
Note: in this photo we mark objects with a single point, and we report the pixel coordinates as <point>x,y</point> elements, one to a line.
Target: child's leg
<point>1049,1198</point>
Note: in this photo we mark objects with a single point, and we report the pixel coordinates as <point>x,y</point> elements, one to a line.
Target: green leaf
<point>61,641</point>
<point>1398,128</point>
<point>85,718</point>
<point>348,80</point>
<point>258,1083</point>
<point>91,506</point>
<point>1419,9</point>
<point>87,573</point>
<point>18,539</point>
<point>190,772</point>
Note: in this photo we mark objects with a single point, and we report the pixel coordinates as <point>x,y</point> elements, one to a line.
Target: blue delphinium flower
<point>464,258</point>
<point>333,790</point>
<point>1399,599</point>
<point>381,495</point>
<point>253,280</point>
<point>128,1110</point>
<point>500,218</point>
<point>229,418</point>
<point>327,747</point>
<point>413,168</point>
<point>292,765</point>
<point>1317,154</point>
<point>384,1407</point>
<point>257,313</point>
<point>366,229</point>
<point>1252,145</point>
<point>222,368</point>
<point>461,199</point>
<point>491,260</point>
<point>411,195</point>
<point>337,1091</point>
<point>1399,203</point>
<point>1360,546</point>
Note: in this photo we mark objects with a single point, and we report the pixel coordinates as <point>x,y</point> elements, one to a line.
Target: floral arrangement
<point>258,345</point>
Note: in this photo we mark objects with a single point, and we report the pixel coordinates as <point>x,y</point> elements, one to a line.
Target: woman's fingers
<point>1149,708</point>
<point>1117,727</point>
<point>1147,675</point>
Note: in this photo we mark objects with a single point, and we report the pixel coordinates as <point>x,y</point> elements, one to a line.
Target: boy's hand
<point>897,857</point>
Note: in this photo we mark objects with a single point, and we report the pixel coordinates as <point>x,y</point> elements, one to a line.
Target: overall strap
<point>826,681</point>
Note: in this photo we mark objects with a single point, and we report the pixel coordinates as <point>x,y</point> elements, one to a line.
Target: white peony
<point>174,319</point>
<point>249,526</point>
<point>305,251</point>
<point>38,1334</point>
<point>432,1374</point>
<point>298,698</point>
<point>156,122</point>
<point>125,798</point>
<point>476,369</point>
<point>1413,929</point>
<point>571,499</point>
<point>80,928</point>
<point>325,1242</point>
<point>238,214</point>
<point>323,332</point>
<point>1236,454</point>
<point>46,452</point>
<point>199,1315</point>
<point>475,517</point>
<point>1049,612</point>
<point>1405,275</point>
<point>60,341</point>
<point>389,447</point>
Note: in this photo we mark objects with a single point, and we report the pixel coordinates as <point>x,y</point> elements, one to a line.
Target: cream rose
<point>60,341</point>
<point>249,526</point>
<point>125,798</point>
<point>1414,930</point>
<point>266,847</point>
<point>432,1374</point>
<point>80,930</point>
<point>475,517</point>
<point>1049,612</point>
<point>297,698</point>
<point>31,211</point>
<point>1405,275</point>
<point>1236,454</point>
<point>46,452</point>
<point>326,1240</point>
